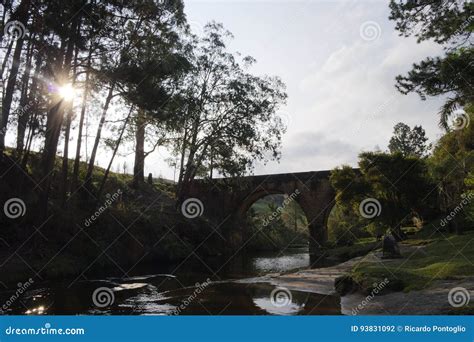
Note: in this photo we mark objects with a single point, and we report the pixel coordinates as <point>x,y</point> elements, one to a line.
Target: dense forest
<point>82,79</point>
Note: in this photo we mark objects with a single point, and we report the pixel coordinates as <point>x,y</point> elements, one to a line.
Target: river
<point>216,286</point>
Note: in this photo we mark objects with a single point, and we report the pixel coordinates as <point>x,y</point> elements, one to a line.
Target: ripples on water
<point>237,289</point>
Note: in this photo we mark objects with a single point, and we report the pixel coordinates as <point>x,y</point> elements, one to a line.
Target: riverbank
<point>418,283</point>
<point>90,233</point>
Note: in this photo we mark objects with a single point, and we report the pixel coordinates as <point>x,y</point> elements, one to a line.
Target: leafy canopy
<point>449,23</point>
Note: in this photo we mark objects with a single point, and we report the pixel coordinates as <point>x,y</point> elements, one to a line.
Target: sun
<point>66,92</point>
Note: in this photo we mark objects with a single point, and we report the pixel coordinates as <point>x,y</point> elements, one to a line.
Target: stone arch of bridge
<point>317,221</point>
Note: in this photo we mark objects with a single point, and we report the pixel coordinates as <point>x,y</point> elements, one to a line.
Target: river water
<point>216,286</point>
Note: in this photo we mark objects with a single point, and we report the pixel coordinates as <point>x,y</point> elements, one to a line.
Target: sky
<point>339,60</point>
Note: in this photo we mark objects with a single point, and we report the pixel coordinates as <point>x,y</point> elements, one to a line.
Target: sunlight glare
<point>66,92</point>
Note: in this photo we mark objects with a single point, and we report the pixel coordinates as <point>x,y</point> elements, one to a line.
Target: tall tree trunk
<point>77,160</point>
<point>25,107</point>
<point>91,165</point>
<point>22,16</point>
<point>138,167</point>
<point>29,141</point>
<point>189,169</point>
<point>6,57</point>
<point>183,156</point>
<point>33,108</point>
<point>67,130</point>
<point>211,164</point>
<point>107,171</point>
<point>54,123</point>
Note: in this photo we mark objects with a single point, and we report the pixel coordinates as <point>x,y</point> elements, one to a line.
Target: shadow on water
<point>183,290</point>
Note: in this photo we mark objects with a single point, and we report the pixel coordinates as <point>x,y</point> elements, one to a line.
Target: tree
<point>345,219</point>
<point>469,196</point>
<point>21,15</point>
<point>409,142</point>
<point>450,165</point>
<point>228,118</point>
<point>450,24</point>
<point>385,183</point>
<point>60,74</point>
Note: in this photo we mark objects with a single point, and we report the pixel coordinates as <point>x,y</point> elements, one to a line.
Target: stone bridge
<point>226,201</point>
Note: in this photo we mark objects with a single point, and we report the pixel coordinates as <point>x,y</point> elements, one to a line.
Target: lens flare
<point>66,92</point>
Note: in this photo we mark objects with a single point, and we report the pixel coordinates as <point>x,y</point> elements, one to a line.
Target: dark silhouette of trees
<point>127,71</point>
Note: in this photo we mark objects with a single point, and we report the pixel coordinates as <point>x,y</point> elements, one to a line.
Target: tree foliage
<point>409,142</point>
<point>228,119</point>
<point>450,165</point>
<point>388,181</point>
<point>139,75</point>
<point>448,23</point>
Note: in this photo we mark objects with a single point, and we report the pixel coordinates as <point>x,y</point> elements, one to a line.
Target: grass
<point>441,257</point>
<point>359,248</point>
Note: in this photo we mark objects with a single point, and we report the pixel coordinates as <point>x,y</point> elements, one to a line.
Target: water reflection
<point>234,292</point>
<point>36,311</point>
<point>282,263</point>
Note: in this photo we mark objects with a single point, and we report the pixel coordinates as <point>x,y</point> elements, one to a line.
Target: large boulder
<point>390,247</point>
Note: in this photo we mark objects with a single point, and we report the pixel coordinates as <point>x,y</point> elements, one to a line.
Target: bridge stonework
<point>227,200</point>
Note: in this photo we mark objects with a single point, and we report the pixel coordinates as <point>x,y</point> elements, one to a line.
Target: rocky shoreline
<point>430,301</point>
